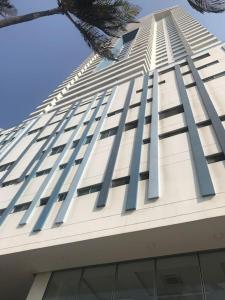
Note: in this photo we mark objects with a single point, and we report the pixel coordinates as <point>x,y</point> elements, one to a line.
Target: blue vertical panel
<point>20,135</point>
<point>102,197</point>
<point>64,209</point>
<point>25,184</point>
<point>153,186</point>
<point>131,198</point>
<point>25,151</point>
<point>209,107</point>
<point>204,180</point>
<point>46,210</point>
<point>35,201</point>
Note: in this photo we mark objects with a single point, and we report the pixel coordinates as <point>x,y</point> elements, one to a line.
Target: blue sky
<point>37,56</point>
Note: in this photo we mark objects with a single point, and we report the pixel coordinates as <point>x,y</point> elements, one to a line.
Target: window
<point>85,103</point>
<point>179,276</point>
<point>148,120</point>
<point>79,113</point>
<point>78,161</point>
<point>108,133</point>
<point>213,158</point>
<point>120,181</point>
<point>70,128</point>
<point>141,90</point>
<point>144,175</point>
<point>89,189</point>
<point>131,125</point>
<point>75,143</point>
<point>172,133</point>
<point>63,166</point>
<point>54,122</point>
<point>44,201</point>
<point>135,105</point>
<point>43,172</point>
<point>186,73</point>
<point>218,75</point>
<point>6,167</point>
<point>135,281</point>
<point>222,118</point>
<point>61,112</point>
<point>11,182</point>
<point>171,112</point>
<point>2,211</point>
<point>42,138</point>
<point>34,130</point>
<point>88,139</point>
<point>97,283</point>
<point>161,62</point>
<point>213,270</point>
<point>162,82</point>
<point>192,84</point>
<point>208,65</point>
<point>3,143</point>
<point>204,123</point>
<point>62,196</point>
<point>57,149</point>
<point>115,112</point>
<point>201,57</point>
<point>147,141</point>
<point>21,207</point>
<point>183,64</point>
<point>166,71</point>
<point>63,285</point>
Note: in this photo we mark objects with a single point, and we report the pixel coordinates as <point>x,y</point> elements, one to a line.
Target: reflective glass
<point>213,269</point>
<point>97,283</point>
<point>63,285</point>
<point>135,281</point>
<point>178,278</point>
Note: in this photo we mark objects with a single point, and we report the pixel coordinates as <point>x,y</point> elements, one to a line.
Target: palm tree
<point>97,20</point>
<point>214,6</point>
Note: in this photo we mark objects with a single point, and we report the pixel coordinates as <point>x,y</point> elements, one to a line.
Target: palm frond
<point>210,6</point>
<point>96,40</point>
<point>100,20</point>
<point>7,9</point>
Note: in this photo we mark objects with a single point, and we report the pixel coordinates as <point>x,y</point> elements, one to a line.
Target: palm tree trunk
<point>29,17</point>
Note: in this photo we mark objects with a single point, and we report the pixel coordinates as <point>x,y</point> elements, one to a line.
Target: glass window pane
<point>135,281</point>
<point>213,269</point>
<point>178,278</point>
<point>63,285</point>
<point>97,283</point>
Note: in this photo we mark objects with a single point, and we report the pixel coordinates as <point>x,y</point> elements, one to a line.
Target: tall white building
<point>114,187</point>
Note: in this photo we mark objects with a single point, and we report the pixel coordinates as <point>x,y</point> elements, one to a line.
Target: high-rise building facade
<point>113,188</point>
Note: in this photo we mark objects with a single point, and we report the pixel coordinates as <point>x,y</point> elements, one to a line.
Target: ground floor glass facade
<point>187,277</point>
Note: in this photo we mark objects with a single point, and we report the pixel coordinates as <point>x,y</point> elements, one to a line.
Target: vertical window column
<point>45,212</point>
<point>209,107</point>
<point>66,205</point>
<point>153,187</point>
<point>25,184</point>
<point>201,167</point>
<point>102,197</point>
<point>131,198</point>
<point>50,176</point>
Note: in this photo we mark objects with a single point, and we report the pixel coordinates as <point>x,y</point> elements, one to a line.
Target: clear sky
<point>37,56</point>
